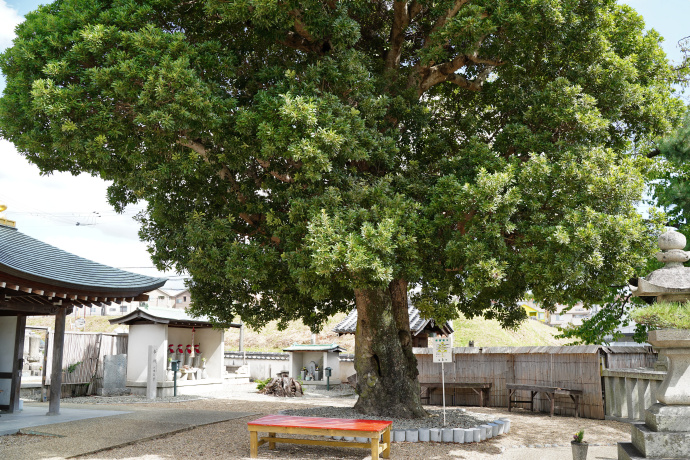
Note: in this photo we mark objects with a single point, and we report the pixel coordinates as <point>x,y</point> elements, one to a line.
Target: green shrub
<point>261,384</point>
<point>663,315</point>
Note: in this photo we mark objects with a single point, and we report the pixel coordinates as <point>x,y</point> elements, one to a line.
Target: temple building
<point>37,279</point>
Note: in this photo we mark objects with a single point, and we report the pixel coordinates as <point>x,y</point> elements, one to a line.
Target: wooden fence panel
<point>82,359</point>
<point>576,368</point>
<point>629,357</point>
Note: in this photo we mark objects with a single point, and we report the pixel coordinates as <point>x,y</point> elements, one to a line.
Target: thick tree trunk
<point>386,367</point>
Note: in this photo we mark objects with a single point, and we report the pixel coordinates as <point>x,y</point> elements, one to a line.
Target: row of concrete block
<point>456,435</point>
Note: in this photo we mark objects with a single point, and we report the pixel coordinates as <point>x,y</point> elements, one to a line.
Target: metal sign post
<point>443,353</point>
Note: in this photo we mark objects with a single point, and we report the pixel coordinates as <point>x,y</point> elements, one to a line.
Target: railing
<point>629,392</point>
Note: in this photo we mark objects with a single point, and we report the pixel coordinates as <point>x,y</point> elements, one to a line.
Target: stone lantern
<point>666,432</point>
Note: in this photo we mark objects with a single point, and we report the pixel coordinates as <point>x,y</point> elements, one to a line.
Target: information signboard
<point>443,349</point>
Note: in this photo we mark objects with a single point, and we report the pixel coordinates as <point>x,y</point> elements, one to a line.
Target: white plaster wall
<point>333,361</point>
<point>140,337</point>
<point>347,368</point>
<point>211,346</point>
<point>8,327</point>
<point>264,368</point>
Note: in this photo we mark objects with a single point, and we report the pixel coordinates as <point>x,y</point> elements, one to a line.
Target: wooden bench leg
<point>271,444</point>
<point>551,397</point>
<point>510,400</point>
<point>253,444</point>
<point>576,400</point>
<point>387,440</point>
<point>375,447</point>
<point>531,400</point>
<point>486,397</point>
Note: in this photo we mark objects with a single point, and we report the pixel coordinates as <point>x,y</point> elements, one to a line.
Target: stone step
<point>661,444</point>
<point>626,451</point>
<point>660,417</point>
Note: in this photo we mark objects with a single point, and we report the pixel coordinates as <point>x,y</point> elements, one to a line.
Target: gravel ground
<point>455,418</point>
<point>230,440</point>
<point>19,440</point>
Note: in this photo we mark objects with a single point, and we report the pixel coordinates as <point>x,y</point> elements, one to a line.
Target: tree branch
<point>477,60</point>
<point>472,85</point>
<point>224,173</point>
<point>402,14</point>
<point>654,153</point>
<point>302,40</point>
<point>434,74</point>
<point>281,177</point>
<point>439,73</point>
<point>450,14</point>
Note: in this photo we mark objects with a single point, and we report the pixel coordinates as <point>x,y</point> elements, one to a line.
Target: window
<point>179,300</point>
<point>541,315</point>
<point>123,308</point>
<point>185,298</point>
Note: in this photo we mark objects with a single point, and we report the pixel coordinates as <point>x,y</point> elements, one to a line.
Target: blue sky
<point>49,207</point>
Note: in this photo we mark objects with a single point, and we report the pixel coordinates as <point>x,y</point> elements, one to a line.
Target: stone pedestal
<point>666,431</point>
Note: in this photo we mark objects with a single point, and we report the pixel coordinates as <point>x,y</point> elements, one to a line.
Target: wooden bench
<point>482,389</point>
<point>320,426</point>
<point>550,393</point>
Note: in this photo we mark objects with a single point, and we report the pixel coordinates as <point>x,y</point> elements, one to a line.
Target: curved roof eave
<point>25,257</point>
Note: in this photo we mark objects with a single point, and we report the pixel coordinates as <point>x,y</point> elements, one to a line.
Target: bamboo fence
<point>575,368</point>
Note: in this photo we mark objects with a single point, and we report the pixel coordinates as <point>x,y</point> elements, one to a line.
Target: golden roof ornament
<point>3,221</point>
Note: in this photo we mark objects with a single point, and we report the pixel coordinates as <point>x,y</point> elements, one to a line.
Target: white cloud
<point>9,18</point>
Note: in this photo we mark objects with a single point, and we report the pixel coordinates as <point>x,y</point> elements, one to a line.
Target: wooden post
<point>17,363</point>
<point>56,371</point>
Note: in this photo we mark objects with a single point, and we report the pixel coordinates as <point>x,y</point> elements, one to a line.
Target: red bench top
<point>293,421</point>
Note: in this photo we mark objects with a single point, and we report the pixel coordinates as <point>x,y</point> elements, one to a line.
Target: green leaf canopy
<point>292,152</point>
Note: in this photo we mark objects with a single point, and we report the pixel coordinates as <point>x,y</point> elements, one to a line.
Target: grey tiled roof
<point>417,323</point>
<point>315,347</point>
<point>171,316</point>
<point>28,258</point>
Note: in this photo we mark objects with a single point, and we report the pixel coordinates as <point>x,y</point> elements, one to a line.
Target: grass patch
<point>489,333</point>
<point>663,315</point>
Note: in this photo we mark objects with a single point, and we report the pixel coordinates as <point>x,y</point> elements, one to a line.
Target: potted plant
<point>579,446</point>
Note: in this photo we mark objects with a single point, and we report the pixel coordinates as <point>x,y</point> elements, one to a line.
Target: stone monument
<point>666,431</point>
<point>114,376</point>
<point>32,355</point>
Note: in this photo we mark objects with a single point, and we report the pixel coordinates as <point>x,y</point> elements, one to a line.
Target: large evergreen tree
<point>299,158</point>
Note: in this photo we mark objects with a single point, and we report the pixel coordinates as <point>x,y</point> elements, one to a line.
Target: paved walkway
<point>101,428</point>
<point>33,416</point>
<point>559,453</point>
